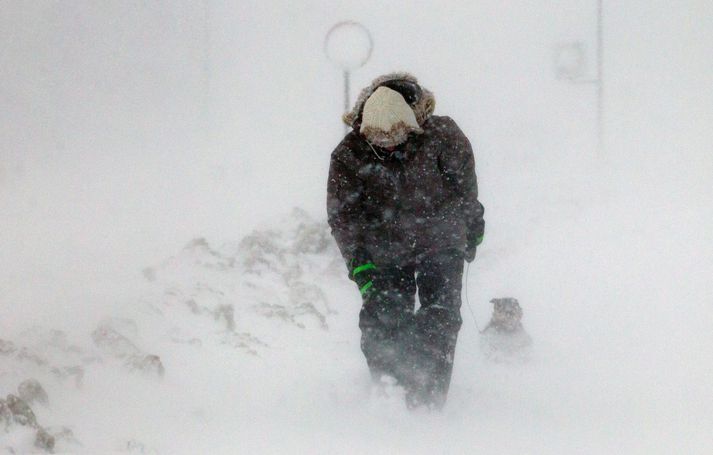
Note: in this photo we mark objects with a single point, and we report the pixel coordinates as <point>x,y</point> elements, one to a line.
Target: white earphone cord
<point>467,300</point>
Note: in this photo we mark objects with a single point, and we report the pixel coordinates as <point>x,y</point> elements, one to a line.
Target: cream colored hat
<point>387,119</point>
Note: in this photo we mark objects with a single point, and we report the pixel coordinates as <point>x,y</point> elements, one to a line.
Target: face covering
<point>387,119</point>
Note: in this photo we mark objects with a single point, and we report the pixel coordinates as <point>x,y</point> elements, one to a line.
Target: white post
<point>347,103</point>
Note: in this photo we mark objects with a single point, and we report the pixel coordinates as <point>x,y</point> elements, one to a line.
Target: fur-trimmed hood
<point>422,109</point>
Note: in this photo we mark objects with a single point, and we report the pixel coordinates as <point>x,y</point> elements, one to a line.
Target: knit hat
<point>387,119</point>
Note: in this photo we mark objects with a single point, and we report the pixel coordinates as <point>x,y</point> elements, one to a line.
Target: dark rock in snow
<point>150,364</point>
<point>75,372</point>
<point>14,411</point>
<point>149,273</point>
<point>7,347</point>
<point>134,446</point>
<point>5,414</point>
<point>205,256</point>
<point>243,341</point>
<point>63,436</point>
<point>44,440</point>
<point>227,314</point>
<point>21,412</point>
<point>108,338</point>
<point>31,391</point>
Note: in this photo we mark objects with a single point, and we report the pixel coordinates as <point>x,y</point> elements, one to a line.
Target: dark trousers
<point>415,347</point>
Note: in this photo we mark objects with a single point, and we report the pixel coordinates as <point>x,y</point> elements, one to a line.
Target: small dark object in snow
<point>507,315</point>
<point>31,391</point>
<point>21,413</point>
<point>504,338</point>
<point>15,411</point>
<point>7,347</point>
<point>44,440</point>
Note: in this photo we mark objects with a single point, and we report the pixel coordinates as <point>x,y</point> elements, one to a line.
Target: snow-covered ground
<point>167,298</point>
<point>258,347</point>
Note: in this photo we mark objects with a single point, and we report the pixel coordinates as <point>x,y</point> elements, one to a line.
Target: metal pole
<point>206,68</point>
<point>347,104</point>
<point>600,77</point>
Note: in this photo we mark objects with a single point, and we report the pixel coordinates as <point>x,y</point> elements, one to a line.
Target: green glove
<point>472,247</point>
<point>363,275</point>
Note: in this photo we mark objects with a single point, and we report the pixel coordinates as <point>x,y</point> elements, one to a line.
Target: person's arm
<point>459,166</point>
<point>344,191</point>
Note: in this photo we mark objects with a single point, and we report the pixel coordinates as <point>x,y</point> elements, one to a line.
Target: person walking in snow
<point>402,203</point>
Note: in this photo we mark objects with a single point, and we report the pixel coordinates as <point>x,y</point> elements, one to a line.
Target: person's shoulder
<point>440,122</point>
<point>348,149</point>
<point>444,129</point>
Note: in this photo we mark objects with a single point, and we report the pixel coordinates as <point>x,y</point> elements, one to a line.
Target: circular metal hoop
<point>354,25</point>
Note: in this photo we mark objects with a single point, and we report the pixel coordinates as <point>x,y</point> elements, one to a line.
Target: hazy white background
<point>128,128</point>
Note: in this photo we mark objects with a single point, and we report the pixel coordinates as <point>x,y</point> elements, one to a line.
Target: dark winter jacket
<point>420,197</point>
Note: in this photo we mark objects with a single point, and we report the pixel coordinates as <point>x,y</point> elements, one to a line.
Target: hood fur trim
<point>422,110</point>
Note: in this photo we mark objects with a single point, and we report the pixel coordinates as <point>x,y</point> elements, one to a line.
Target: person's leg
<point>385,318</point>
<point>436,325</point>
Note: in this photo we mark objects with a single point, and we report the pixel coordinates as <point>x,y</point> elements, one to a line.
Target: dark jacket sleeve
<point>344,190</point>
<point>458,164</point>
